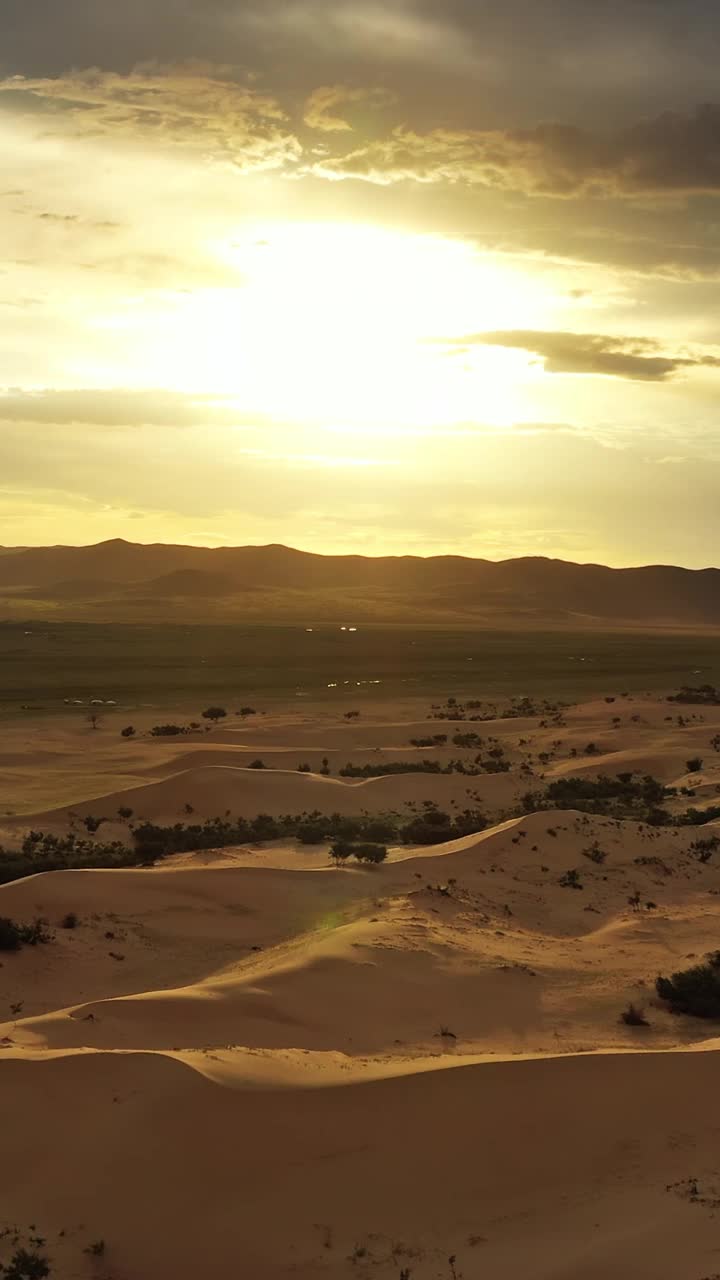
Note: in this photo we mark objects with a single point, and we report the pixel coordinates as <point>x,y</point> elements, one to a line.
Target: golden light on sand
<point>335,324</point>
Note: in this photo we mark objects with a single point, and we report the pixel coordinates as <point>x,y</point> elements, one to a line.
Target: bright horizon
<point>362,279</point>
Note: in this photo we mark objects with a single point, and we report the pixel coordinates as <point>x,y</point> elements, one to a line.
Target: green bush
<point>13,936</point>
<point>695,991</point>
<point>703,694</point>
<point>571,880</point>
<point>373,853</point>
<point>312,832</point>
<point>624,796</point>
<point>341,850</point>
<point>27,1265</point>
<point>10,939</point>
<point>634,1017</point>
<point>704,849</point>
<point>395,766</point>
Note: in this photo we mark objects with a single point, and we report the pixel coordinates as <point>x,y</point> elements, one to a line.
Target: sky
<point>384,278</point>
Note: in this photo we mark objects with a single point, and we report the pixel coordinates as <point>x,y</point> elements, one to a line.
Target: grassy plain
<point>41,665</point>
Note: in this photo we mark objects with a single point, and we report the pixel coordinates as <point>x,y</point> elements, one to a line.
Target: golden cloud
<point>670,154</point>
<point>191,105</point>
<point>320,109</point>
<point>638,359</point>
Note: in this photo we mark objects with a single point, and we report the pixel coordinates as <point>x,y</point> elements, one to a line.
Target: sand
<point>246,1062</point>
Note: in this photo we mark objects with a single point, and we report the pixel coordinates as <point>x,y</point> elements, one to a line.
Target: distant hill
<point>126,581</point>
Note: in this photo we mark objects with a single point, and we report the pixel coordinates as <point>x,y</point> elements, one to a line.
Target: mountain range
<point>123,581</point>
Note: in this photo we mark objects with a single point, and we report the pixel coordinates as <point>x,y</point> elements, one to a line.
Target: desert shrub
<point>69,921</point>
<point>257,764</point>
<point>13,936</point>
<point>312,832</point>
<point>373,853</point>
<point>378,830</point>
<point>128,732</point>
<point>437,740</point>
<point>705,694</point>
<point>265,827</point>
<point>634,1017</point>
<point>433,826</point>
<point>495,766</point>
<point>697,817</point>
<point>694,765</point>
<point>149,842</point>
<point>214,713</point>
<point>44,851</point>
<point>594,853</point>
<point>390,767</point>
<point>124,812</point>
<point>92,824</point>
<point>247,711</point>
<point>352,715</point>
<point>341,850</point>
<point>570,879</point>
<point>304,768</point>
<point>167,730</point>
<point>625,795</point>
<point>33,934</point>
<point>9,934</point>
<point>694,991</point>
<point>470,740</point>
<point>704,849</point>
<point>27,1265</point>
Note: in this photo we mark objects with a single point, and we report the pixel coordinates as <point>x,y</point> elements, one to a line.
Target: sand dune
<point>245,1061</point>
<point>215,790</point>
<point>478,935</point>
<point>551,1168</point>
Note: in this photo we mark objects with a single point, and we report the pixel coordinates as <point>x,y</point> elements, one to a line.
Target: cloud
<point>121,408</point>
<point>320,107</point>
<point>637,359</point>
<point>192,105</point>
<point>670,154</point>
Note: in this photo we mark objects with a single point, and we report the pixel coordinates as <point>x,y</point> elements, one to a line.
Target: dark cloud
<point>465,60</point>
<point>637,359</point>
<point>671,154</point>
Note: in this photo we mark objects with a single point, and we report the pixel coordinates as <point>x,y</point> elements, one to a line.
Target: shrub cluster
<point>44,851</point>
<point>625,795</point>
<point>702,695</point>
<point>13,936</point>
<point>341,850</point>
<point>695,991</point>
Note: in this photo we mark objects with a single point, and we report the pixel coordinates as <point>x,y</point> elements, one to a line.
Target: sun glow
<point>332,324</point>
